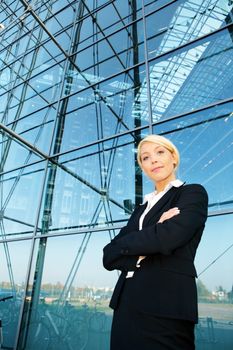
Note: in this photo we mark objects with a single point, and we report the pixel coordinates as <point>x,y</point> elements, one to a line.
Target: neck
<point>160,186</point>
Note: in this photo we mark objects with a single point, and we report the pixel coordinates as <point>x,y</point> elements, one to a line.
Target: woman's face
<point>158,164</point>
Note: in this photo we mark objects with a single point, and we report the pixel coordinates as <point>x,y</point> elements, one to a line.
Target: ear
<point>141,167</point>
<point>174,159</point>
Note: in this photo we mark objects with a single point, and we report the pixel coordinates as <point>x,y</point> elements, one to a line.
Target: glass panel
<point>151,5</point>
<point>195,76</point>
<point>9,76</point>
<point>57,6</point>
<point>71,310</point>
<point>183,21</point>
<point>47,83</point>
<point>91,187</point>
<point>205,143</point>
<point>108,108</point>
<point>14,258</point>
<point>125,47</point>
<point>37,128</point>
<point>63,18</point>
<point>13,154</point>
<point>105,20</point>
<point>20,197</point>
<point>215,290</point>
<point>75,79</point>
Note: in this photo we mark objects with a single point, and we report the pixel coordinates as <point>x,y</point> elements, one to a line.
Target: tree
<point>203,292</point>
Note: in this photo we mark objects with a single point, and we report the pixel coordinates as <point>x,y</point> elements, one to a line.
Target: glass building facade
<point>81,82</point>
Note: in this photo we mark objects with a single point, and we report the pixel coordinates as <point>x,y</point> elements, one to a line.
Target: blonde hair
<point>161,141</point>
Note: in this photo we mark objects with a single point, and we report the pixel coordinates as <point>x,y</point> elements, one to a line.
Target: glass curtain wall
<point>80,83</point>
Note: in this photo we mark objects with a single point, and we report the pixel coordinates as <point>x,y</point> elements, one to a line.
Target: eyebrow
<point>154,149</point>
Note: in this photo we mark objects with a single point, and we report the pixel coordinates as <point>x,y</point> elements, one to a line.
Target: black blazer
<point>165,284</point>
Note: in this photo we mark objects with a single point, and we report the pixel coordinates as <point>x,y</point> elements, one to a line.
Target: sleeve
<point>112,260</point>
<point>165,237</point>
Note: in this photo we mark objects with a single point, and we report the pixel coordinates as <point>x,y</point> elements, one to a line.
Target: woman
<point>155,298</point>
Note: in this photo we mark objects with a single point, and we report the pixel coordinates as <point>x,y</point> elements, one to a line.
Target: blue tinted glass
<point>81,82</point>
<point>215,293</point>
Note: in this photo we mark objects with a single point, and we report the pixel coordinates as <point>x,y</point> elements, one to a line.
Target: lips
<point>157,169</point>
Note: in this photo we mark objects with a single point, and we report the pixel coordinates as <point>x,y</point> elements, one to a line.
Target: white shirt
<point>151,199</point>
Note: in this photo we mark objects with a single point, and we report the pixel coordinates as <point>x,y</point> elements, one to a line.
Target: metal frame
<point>68,58</point>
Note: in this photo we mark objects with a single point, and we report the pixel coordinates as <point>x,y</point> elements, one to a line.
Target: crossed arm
<point>174,228</point>
<point>129,263</point>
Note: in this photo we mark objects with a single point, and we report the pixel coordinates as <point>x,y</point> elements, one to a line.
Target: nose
<point>154,159</point>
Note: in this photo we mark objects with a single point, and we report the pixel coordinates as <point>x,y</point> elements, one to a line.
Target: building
<point>80,83</point>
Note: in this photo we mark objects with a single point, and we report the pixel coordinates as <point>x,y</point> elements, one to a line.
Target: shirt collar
<point>175,183</point>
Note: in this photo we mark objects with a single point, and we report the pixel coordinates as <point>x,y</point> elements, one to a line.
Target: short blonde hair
<point>161,141</point>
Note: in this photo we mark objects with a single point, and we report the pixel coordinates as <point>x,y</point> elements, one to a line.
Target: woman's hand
<point>169,214</point>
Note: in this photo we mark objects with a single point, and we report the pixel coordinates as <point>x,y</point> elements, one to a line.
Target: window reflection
<point>197,75</point>
<point>14,257</point>
<point>80,84</point>
<point>72,303</point>
<point>215,291</point>
<point>205,143</point>
<point>20,199</point>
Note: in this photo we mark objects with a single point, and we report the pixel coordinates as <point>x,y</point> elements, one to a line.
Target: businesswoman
<point>155,298</point>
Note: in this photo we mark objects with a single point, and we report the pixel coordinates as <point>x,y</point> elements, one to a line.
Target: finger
<point>169,214</point>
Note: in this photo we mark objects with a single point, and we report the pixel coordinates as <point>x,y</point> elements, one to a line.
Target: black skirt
<point>134,330</point>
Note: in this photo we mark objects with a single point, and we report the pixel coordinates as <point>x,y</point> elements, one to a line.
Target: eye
<point>145,158</point>
<point>160,151</point>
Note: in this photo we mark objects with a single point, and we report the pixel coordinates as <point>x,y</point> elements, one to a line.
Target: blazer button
<point>124,251</point>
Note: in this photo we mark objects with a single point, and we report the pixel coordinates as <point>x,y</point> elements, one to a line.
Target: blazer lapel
<point>157,208</point>
<point>134,219</point>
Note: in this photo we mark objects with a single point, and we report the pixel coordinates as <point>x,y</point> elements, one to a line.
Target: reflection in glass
<point>205,143</point>
<point>215,289</point>
<point>80,83</point>
<point>107,108</point>
<point>71,310</point>
<point>89,187</point>
<point>20,200</point>
<point>183,21</point>
<point>192,77</point>
<point>14,258</point>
